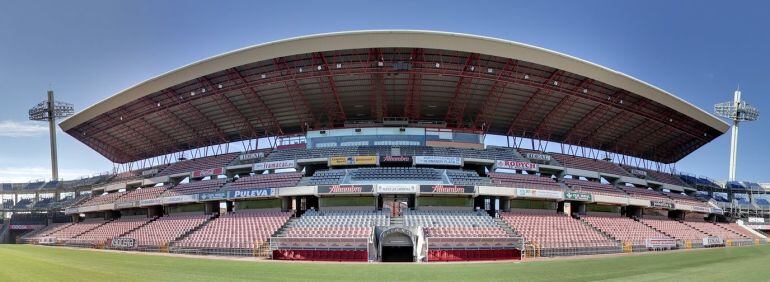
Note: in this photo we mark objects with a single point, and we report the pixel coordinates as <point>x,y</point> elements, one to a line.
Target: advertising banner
<point>659,204</point>
<point>24,226</point>
<point>353,160</point>
<point>756,220</point>
<point>534,193</point>
<point>660,243</point>
<point>150,172</point>
<point>251,193</point>
<point>516,165</point>
<point>125,205</point>
<point>213,196</point>
<point>396,188</point>
<point>538,157</point>
<point>439,161</point>
<point>47,240</point>
<point>180,199</point>
<point>71,211</point>
<point>207,172</point>
<point>639,173</point>
<point>345,189</point>
<point>396,160</point>
<point>251,156</point>
<point>123,242</point>
<point>577,196</point>
<point>275,165</point>
<point>701,209</point>
<point>150,202</point>
<point>447,189</point>
<point>713,241</point>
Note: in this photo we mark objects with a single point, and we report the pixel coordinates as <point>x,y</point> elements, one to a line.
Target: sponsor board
<point>396,189</point>
<point>538,157</point>
<point>759,226</point>
<point>150,202</point>
<point>123,242</point>
<point>275,165</point>
<point>70,210</point>
<point>207,172</point>
<point>516,165</point>
<point>577,196</point>
<point>447,189</point>
<point>345,189</point>
<point>660,243</point>
<point>440,161</point>
<point>149,172</point>
<point>251,193</point>
<point>353,160</point>
<point>534,193</point>
<point>180,199</point>
<point>396,160</point>
<point>251,156</point>
<point>713,241</point>
<point>47,240</point>
<point>659,204</point>
<point>717,211</point>
<point>125,205</point>
<point>212,196</point>
<point>639,173</point>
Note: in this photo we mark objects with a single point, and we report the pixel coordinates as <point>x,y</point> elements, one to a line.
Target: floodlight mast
<point>737,111</point>
<point>50,111</point>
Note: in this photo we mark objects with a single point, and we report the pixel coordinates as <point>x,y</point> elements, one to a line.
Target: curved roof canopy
<point>328,80</point>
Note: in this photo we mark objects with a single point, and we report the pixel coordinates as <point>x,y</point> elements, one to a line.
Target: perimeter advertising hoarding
<point>713,241</point>
<point>345,189</point>
<point>534,193</point>
<point>208,172</point>
<point>660,243</point>
<point>251,193</point>
<point>353,160</point>
<point>275,165</point>
<point>439,161</point>
<point>447,189</point>
<point>516,165</point>
<point>123,242</point>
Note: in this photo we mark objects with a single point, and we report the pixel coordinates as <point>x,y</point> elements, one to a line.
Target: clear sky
<point>89,50</point>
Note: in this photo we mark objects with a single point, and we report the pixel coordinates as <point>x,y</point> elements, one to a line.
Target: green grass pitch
<point>39,263</point>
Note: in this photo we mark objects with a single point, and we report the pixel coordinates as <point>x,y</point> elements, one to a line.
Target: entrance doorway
<point>396,247</point>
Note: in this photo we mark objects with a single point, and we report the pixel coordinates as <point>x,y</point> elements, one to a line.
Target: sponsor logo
<point>207,172</point>
<point>123,242</point>
<point>533,193</point>
<point>660,243</point>
<point>122,205</point>
<point>756,220</point>
<point>344,189</point>
<point>149,202</point>
<point>251,193</point>
<point>180,199</point>
<point>24,226</point>
<point>446,189</point>
<point>516,165</point>
<point>538,157</point>
<point>440,161</point>
<point>395,188</point>
<point>251,156</point>
<point>275,165</point>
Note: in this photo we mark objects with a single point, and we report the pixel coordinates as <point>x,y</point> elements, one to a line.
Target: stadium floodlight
<point>736,111</point>
<point>50,111</point>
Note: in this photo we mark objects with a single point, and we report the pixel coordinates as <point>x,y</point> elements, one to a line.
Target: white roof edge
<point>398,38</point>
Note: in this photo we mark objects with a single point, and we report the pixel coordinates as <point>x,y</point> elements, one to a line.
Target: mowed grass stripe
<point>39,263</point>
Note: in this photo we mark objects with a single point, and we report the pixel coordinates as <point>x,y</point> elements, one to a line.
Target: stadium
<point>369,146</point>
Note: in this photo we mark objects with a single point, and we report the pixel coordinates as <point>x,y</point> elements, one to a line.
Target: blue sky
<point>89,50</point>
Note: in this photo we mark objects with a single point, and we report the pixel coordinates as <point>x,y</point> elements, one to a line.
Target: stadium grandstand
<point>377,153</point>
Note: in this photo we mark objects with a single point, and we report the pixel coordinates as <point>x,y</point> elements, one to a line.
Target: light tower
<point>737,111</point>
<point>50,111</point>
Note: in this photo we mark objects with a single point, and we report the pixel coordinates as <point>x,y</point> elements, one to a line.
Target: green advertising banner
<point>577,196</point>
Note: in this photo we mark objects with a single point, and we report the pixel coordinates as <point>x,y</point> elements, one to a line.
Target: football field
<point>39,263</point>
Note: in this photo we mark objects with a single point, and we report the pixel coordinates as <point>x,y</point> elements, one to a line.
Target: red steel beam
<point>495,93</point>
<point>567,101</point>
<point>295,94</point>
<point>456,110</point>
<point>414,86</point>
<point>271,124</point>
<point>335,112</point>
<point>554,75</point>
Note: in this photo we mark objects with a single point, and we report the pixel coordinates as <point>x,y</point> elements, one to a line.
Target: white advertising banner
<point>439,161</point>
<point>396,188</point>
<point>275,165</point>
<point>542,194</point>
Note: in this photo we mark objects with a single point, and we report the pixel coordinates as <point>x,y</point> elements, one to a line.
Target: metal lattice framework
<point>455,88</point>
